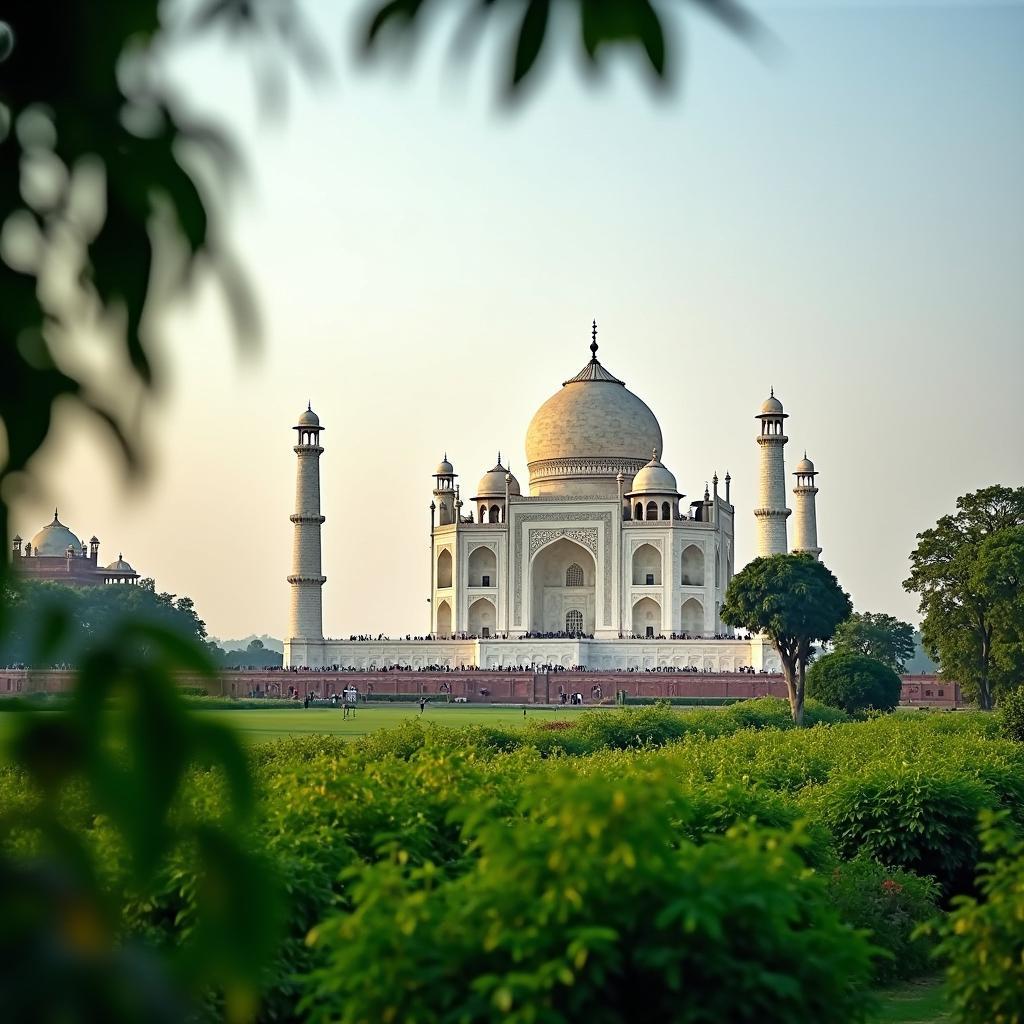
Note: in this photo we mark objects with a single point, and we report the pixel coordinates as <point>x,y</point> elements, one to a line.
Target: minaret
<point>805,522</point>
<point>305,620</point>
<point>772,514</point>
<point>444,492</point>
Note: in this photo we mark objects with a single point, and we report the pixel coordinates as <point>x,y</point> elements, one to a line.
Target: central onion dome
<point>587,433</point>
<point>54,539</point>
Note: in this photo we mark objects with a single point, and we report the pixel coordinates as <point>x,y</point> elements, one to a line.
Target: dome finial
<point>593,342</point>
<point>55,515</point>
<point>499,456</point>
<point>654,454</point>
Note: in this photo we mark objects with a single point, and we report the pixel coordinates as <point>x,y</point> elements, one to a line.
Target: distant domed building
<point>602,564</point>
<point>56,555</point>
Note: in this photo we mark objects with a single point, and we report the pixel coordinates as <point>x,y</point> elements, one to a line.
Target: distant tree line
<point>53,624</point>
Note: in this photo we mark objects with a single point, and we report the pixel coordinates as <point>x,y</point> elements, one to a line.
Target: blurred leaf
<point>531,39</point>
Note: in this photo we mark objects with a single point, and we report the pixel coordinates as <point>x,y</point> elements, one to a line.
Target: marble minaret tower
<point>305,619</point>
<point>771,513</point>
<point>805,520</point>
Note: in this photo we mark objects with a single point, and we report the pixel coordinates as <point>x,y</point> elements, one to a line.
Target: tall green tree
<point>879,636</point>
<point>796,602</point>
<point>968,570</point>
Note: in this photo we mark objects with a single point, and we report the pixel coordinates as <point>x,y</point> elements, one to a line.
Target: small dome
<point>805,466</point>
<point>94,539</point>
<point>444,467</point>
<point>54,539</point>
<point>771,406</point>
<point>120,565</point>
<point>492,483</point>
<point>654,478</point>
<point>309,418</point>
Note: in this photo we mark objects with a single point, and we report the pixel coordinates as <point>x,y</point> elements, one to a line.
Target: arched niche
<point>551,596</point>
<point>647,617</point>
<point>646,566</point>
<point>692,617</point>
<point>692,567</point>
<point>444,619</point>
<point>444,569</point>
<point>482,617</point>
<point>483,566</point>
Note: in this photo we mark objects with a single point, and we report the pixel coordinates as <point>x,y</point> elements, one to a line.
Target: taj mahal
<point>602,565</point>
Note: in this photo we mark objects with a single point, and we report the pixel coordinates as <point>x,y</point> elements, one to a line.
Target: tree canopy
<point>968,570</point>
<point>59,623</point>
<point>879,636</point>
<point>796,602</point>
<point>853,682</point>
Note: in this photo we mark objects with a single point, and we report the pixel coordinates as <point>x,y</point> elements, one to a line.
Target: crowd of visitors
<point>556,635</point>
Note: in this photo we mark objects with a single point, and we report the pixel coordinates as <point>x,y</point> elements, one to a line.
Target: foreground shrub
<point>1010,712</point>
<point>853,682</point>
<point>918,817</point>
<point>891,904</point>
<point>597,912</point>
<point>983,939</point>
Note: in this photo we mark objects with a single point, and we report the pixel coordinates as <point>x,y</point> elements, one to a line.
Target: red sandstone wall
<point>501,687</point>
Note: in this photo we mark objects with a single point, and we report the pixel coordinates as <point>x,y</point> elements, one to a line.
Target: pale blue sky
<point>843,220</point>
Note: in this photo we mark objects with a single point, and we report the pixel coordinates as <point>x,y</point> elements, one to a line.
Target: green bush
<point>425,794</point>
<point>892,905</point>
<point>596,911</point>
<point>1010,713</point>
<point>918,817</point>
<point>853,682</point>
<point>983,939</point>
<point>193,691</point>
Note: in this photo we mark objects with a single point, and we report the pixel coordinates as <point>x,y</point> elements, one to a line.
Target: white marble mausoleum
<point>603,564</point>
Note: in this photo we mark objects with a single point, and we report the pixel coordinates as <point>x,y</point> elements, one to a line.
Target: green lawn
<point>257,725</point>
<point>917,1002</point>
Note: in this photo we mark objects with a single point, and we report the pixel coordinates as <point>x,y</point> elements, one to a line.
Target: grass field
<point>917,1002</point>
<point>257,726</point>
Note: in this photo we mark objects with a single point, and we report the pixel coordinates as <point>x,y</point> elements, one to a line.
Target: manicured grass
<point>917,1002</point>
<point>257,726</point>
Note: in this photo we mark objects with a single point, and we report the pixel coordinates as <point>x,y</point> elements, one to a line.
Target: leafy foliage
<point>892,905</point>
<point>592,908</point>
<point>795,601</point>
<point>969,572</point>
<point>1011,714</point>
<point>602,25</point>
<point>919,817</point>
<point>853,682</point>
<point>879,636</point>
<point>62,624</point>
<point>326,808</point>
<point>983,939</point>
<point>125,744</point>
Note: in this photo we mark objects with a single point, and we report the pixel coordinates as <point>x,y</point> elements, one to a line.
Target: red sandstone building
<point>56,555</point>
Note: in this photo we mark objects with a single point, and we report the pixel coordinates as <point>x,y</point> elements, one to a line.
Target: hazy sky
<point>843,220</point>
